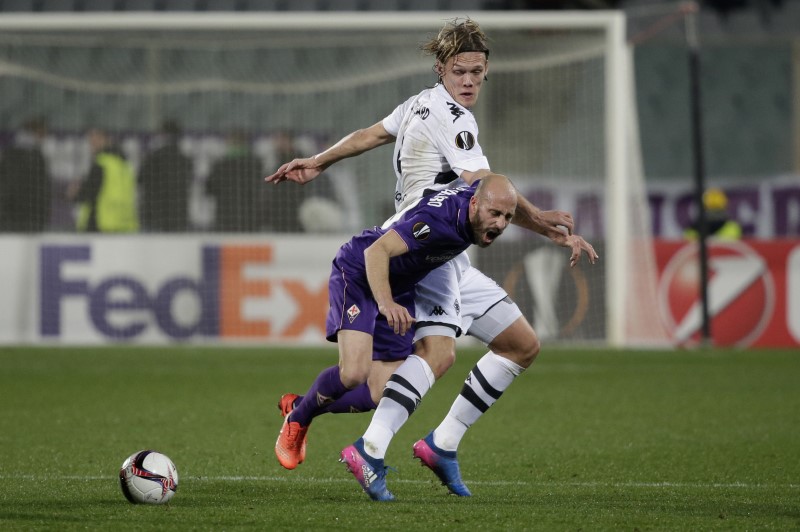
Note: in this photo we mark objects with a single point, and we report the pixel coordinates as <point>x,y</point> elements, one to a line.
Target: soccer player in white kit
<point>436,142</point>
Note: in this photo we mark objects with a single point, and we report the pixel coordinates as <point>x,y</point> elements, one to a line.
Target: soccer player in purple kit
<point>436,141</point>
<point>373,267</point>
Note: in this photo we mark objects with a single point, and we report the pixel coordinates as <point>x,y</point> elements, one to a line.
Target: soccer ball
<point>148,477</point>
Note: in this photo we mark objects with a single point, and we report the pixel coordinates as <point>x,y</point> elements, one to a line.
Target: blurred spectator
<point>164,181</point>
<point>235,182</point>
<point>25,182</point>
<point>298,209</point>
<point>719,224</point>
<point>108,194</point>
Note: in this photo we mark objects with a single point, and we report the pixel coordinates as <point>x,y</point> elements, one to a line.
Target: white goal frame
<point>617,87</point>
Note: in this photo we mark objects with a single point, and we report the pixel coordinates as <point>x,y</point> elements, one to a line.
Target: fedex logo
<point>221,297</point>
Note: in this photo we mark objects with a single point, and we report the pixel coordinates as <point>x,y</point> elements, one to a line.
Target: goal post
<point>556,115</point>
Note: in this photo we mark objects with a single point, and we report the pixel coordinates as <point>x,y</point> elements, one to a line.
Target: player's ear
<point>473,204</point>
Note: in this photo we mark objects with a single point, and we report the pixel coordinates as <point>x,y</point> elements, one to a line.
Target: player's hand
<point>300,171</point>
<point>556,222</point>
<point>397,316</point>
<point>578,246</point>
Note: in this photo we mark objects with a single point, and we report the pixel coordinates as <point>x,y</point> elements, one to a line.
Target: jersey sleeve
<point>393,122</point>
<point>456,136</point>
<point>428,229</point>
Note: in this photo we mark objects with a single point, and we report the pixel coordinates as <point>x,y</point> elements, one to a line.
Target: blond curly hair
<point>456,37</point>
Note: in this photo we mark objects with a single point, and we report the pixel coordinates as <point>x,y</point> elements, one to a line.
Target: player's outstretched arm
<point>556,225</point>
<point>304,170</point>
<point>300,171</point>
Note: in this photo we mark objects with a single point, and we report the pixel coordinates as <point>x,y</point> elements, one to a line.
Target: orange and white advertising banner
<point>162,289</point>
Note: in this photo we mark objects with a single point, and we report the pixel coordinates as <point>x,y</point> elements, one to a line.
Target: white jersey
<point>436,138</point>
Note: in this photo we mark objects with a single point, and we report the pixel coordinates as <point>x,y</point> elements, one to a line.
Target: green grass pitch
<point>585,440</point>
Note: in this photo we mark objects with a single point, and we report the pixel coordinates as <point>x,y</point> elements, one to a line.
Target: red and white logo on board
<point>741,294</point>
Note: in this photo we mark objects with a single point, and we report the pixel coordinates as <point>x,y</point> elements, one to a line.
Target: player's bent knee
<point>355,357</point>
<point>438,351</point>
<point>529,351</point>
<point>518,343</point>
<point>353,376</point>
<point>524,352</point>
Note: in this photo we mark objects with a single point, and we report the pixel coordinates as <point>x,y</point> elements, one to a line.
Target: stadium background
<point>588,439</point>
<point>749,84</point>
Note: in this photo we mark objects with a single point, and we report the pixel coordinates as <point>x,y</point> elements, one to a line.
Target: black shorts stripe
<point>421,324</point>
<point>485,384</point>
<point>404,383</point>
<point>406,402</point>
<point>470,395</point>
<point>506,299</point>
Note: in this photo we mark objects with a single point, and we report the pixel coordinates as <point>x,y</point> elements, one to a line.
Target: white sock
<point>484,385</point>
<point>404,391</point>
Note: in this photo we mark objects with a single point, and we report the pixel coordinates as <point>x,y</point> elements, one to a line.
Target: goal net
<point>242,93</point>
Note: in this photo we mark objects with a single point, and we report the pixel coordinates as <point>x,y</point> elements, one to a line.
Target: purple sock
<point>359,399</point>
<point>326,389</point>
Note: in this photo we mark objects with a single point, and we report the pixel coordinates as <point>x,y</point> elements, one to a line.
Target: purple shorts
<point>353,308</point>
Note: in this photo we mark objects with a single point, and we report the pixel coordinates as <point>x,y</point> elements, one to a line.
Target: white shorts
<point>456,298</point>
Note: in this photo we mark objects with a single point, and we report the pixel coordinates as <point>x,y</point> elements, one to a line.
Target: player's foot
<point>369,472</point>
<point>286,405</point>
<point>290,443</point>
<point>443,463</point>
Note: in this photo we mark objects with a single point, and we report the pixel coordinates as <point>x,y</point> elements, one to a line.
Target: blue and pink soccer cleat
<point>443,463</point>
<point>369,472</point>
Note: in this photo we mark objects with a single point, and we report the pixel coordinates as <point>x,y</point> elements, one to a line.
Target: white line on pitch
<point>314,480</point>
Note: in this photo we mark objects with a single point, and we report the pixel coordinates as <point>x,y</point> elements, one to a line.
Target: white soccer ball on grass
<point>148,477</point>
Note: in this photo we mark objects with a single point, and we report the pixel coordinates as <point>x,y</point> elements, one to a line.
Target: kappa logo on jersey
<point>455,111</point>
<point>353,312</point>
<point>421,231</point>
<point>423,112</point>
<point>465,140</point>
<point>457,306</point>
<point>741,294</point>
<point>437,311</point>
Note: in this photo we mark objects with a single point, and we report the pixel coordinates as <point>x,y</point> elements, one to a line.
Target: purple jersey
<point>435,230</point>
